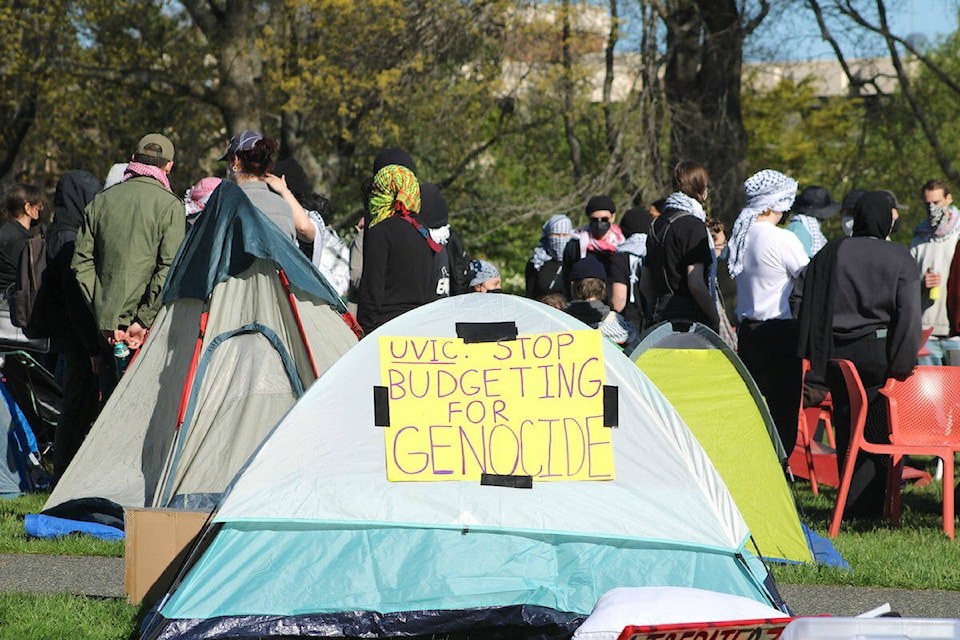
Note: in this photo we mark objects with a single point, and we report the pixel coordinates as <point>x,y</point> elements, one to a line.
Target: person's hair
<point>155,162</point>
<point>20,195</point>
<point>555,300</point>
<point>319,203</point>
<point>691,178</point>
<point>715,225</point>
<point>933,185</point>
<point>588,289</point>
<point>259,160</point>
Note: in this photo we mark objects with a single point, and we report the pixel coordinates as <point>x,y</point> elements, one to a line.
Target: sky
<point>794,35</point>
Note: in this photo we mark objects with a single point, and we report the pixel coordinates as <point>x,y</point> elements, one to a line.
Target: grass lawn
<point>916,556</point>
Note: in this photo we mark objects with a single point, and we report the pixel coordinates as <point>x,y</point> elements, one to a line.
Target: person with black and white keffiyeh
<point>766,262</point>
<point>544,271</point>
<point>811,206</point>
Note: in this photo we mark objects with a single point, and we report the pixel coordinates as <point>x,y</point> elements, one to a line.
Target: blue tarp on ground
<point>41,526</point>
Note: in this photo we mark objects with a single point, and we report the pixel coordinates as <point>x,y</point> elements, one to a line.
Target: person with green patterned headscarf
<point>398,252</point>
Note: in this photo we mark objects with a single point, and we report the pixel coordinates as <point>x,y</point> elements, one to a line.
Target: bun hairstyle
<point>258,161</point>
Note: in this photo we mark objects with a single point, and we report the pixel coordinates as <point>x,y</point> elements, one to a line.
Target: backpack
<point>17,321</point>
<point>23,292</point>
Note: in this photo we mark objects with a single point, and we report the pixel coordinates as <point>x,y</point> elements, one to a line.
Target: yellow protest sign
<point>531,406</point>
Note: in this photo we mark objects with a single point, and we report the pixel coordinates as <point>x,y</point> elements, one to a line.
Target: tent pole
<point>296,316</point>
<point>192,372</point>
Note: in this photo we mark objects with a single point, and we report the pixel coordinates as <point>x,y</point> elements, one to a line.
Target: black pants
<point>769,351</point>
<point>869,484</point>
<point>673,306</point>
<point>78,410</point>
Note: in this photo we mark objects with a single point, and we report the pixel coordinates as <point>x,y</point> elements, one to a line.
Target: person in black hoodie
<point>861,302</point>
<point>452,263</point>
<point>64,316</point>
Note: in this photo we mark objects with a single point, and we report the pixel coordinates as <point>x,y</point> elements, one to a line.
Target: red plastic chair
<point>810,459</point>
<point>921,414</point>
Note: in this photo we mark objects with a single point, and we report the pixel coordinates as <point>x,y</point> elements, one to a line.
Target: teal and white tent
<point>323,534</point>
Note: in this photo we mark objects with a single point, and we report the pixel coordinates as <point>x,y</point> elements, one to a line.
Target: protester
<point>484,277</point>
<point>598,239</point>
<point>555,300</point>
<point>769,261</point>
<point>679,278</point>
<point>544,272</point>
<point>934,246</point>
<point>812,205</point>
<point>126,244</point>
<point>115,174</point>
<point>197,196</point>
<point>588,288</point>
<point>65,317</point>
<point>398,252</point>
<point>625,268</point>
<point>434,216</point>
<point>861,302</point>
<point>249,159</point>
<point>24,204</point>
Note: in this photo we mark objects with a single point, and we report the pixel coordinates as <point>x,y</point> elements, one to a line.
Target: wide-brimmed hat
<point>815,201</point>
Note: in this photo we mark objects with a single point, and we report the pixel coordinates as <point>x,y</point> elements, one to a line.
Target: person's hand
<point>114,336</point>
<point>136,334</point>
<point>277,183</point>
<point>931,279</point>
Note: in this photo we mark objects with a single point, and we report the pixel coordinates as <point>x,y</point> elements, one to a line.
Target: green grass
<point>40,617</point>
<point>918,555</point>
<point>14,540</point>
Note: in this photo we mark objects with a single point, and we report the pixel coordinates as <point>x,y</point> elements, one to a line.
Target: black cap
<point>636,220</point>
<point>815,201</point>
<point>588,267</point>
<point>600,203</point>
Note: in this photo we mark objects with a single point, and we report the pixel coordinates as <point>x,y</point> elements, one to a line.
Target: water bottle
<point>121,353</point>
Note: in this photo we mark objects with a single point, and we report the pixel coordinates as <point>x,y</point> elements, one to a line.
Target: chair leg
<point>844,489</point>
<point>948,494</point>
<point>827,418</point>
<point>803,439</point>
<point>894,480</point>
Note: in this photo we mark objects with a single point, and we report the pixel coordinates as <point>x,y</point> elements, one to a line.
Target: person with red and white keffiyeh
<point>598,239</point>
<point>126,244</point>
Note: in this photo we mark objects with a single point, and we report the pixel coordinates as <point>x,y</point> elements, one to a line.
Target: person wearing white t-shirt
<point>766,261</point>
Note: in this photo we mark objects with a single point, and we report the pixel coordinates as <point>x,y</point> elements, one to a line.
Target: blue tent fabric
<point>226,240</point>
<point>18,473</point>
<point>43,526</point>
<point>823,550</point>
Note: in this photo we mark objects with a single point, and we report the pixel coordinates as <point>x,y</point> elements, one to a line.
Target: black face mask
<point>494,291</point>
<point>599,228</point>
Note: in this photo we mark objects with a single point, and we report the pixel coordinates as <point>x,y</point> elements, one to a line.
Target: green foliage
<point>44,617</point>
<point>14,540</point>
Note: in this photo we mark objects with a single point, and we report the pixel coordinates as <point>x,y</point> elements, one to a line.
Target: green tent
<point>713,392</point>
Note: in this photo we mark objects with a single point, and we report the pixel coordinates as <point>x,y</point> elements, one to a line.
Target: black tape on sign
<point>381,407</point>
<point>471,332</point>
<point>513,482</point>
<point>611,406</point>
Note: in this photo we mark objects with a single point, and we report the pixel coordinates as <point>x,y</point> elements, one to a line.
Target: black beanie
<point>636,220</point>
<point>393,155</point>
<point>600,203</point>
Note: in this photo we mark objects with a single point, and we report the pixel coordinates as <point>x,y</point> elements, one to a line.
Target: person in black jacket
<point>545,269</point>
<point>67,319</point>
<point>398,252</point>
<point>861,302</point>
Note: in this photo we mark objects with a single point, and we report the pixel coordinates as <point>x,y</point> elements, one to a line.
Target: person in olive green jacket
<point>126,244</point>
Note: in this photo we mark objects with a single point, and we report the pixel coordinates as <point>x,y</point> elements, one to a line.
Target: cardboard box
<point>157,543</point>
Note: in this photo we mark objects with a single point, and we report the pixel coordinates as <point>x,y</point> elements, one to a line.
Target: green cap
<point>155,145</point>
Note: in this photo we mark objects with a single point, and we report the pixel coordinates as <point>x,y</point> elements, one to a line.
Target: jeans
<point>937,346</point>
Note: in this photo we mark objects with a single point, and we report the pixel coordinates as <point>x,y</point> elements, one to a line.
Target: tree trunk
<point>704,57</point>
